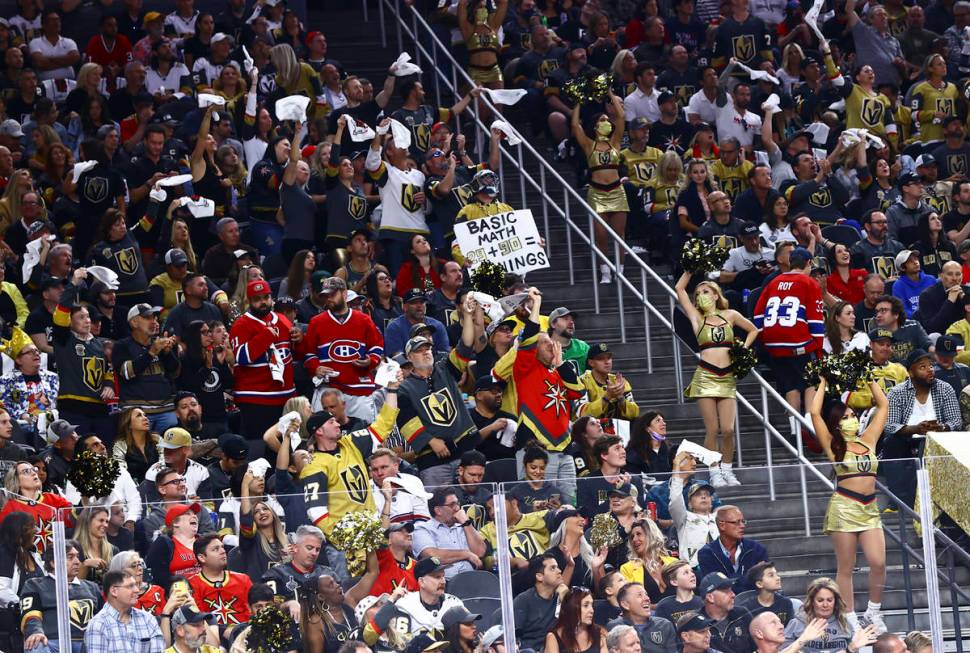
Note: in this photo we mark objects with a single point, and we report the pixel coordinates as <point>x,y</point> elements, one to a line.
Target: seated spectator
<point>694,633</point>
<point>397,331</point>
<point>942,304</point>
<point>172,551</point>
<point>934,248</point>
<point>608,395</point>
<point>730,623</point>
<point>648,451</point>
<point>492,422</point>
<point>823,602</point>
<point>215,588</point>
<point>396,564</point>
<point>840,332</point>
<point>399,497</point>
<point>535,492</point>
<point>911,282</point>
<point>449,536</point>
<point>535,608</point>
<point>877,251</point>
<point>679,576</point>
<point>656,634</point>
<point>135,447</point>
<point>946,367</point>
<point>623,639</point>
<point>596,489</point>
<point>768,633</point>
<point>730,553</point>
<point>528,533</point>
<point>648,555</point>
<point>121,595</point>
<point>766,595</point>
<point>574,629</point>
<point>844,282</point>
<point>151,597</point>
<point>908,335</point>
<point>27,496</point>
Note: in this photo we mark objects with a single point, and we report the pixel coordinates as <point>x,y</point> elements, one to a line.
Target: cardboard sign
<point>509,239</point>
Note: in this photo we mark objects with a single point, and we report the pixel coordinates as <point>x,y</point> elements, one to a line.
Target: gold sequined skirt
<point>848,515</point>
<point>709,383</point>
<point>608,201</point>
<point>487,75</point>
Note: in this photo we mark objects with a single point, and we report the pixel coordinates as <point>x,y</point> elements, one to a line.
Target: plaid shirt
<point>903,397</point>
<point>107,634</point>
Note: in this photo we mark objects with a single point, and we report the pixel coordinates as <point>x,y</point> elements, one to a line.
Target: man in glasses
<point>119,624</point>
<point>171,489</point>
<point>29,392</point>
<point>730,553</point>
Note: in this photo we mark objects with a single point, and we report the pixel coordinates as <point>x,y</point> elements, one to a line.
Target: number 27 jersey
<point>790,315</point>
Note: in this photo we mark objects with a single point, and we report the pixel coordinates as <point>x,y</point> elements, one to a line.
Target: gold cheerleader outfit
<point>848,511</point>
<point>484,42</point>
<point>711,380</point>
<point>606,198</point>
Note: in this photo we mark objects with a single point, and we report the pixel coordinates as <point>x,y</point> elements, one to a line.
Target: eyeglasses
<point>734,521</point>
<point>883,310</point>
<point>26,202</point>
<point>454,505</point>
<point>137,564</point>
<point>176,481</point>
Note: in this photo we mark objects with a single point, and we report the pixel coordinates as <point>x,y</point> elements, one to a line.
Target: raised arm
<point>821,430</point>
<point>686,304</point>
<point>851,17</point>
<point>197,160</point>
<point>497,19</point>
<point>464,25</point>
<point>877,421</point>
<point>578,133</point>
<point>618,120</point>
<point>289,174</point>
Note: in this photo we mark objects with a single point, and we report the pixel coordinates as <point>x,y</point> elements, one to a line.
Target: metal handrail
<point>620,250</point>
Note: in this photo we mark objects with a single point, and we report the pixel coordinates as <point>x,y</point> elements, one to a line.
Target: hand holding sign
<point>508,239</point>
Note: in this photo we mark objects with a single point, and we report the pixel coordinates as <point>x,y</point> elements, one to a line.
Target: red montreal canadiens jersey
<point>45,512</point>
<point>152,600</point>
<point>251,338</point>
<point>226,598</point>
<point>789,314</point>
<point>337,344</point>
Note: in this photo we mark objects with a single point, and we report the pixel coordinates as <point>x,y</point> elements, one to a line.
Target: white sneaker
<point>606,275</point>
<point>639,249</point>
<point>621,271</point>
<point>717,478</point>
<point>875,619</point>
<point>728,474</point>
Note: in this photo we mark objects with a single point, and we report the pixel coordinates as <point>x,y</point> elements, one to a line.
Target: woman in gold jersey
<point>606,194</point>
<point>865,108</point>
<point>713,383</point>
<point>479,25</point>
<point>934,100</point>
<point>852,518</point>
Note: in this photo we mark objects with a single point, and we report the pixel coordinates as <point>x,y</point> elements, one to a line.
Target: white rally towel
<point>259,467</point>
<point>819,132</point>
<point>247,61</point>
<point>107,276</point>
<point>706,456</point>
<point>175,180</point>
<point>759,75</point>
<point>82,167</point>
<point>199,207</point>
<point>812,16</point>
<point>387,373</point>
<point>359,131</point>
<point>492,308</point>
<point>411,485</point>
<point>508,96</point>
<point>32,255</point>
<point>157,193</point>
<point>772,104</point>
<point>401,134</point>
<point>206,99</point>
<point>276,366</point>
<point>403,67</point>
<point>292,107</point>
<point>508,131</point>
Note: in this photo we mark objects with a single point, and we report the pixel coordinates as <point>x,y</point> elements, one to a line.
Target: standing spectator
<point>852,518</point>
<point>120,626</point>
<point>574,629</point>
<point>735,121</point>
<point>905,213</point>
<point>262,342</point>
<point>730,553</point>
<point>53,55</point>
<point>742,37</point>
<point>449,536</point>
<point>917,406</point>
<point>876,45</point>
<point>535,608</point>
<point>693,517</point>
<point>146,364</point>
<point>108,48</point>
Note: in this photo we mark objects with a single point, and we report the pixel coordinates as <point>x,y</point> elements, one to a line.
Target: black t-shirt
<point>492,446</point>
<point>97,190</point>
<point>671,609</point>
<point>40,321</point>
<point>527,495</point>
<point>671,137</point>
<point>299,212</point>
<point>182,314</point>
<point>954,220</point>
<point>366,112</point>
<point>781,606</point>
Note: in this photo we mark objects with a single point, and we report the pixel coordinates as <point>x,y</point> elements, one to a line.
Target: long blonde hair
<point>89,546</point>
<point>668,161</point>
<point>274,554</point>
<point>816,586</point>
<point>301,405</point>
<point>287,66</point>
<point>721,303</point>
<point>186,246</point>
<point>655,548</point>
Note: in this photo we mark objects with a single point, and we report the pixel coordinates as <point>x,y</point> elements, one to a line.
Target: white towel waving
<point>81,168</point>
<point>508,131</point>
<point>401,134</point>
<point>175,180</point>
<point>206,99</point>
<point>403,67</point>
<point>508,96</point>
<point>107,276</point>
<point>292,107</point>
<point>359,131</point>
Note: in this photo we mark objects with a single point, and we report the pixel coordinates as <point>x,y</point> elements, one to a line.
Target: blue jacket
<point>711,558</point>
<point>908,291</point>
<point>397,332</point>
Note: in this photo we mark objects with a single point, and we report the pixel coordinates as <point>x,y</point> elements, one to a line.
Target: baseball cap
<point>366,233</point>
<point>240,254</point>
<point>353,297</point>
<point>639,123</point>
<point>175,512</point>
<point>458,614</point>
<point>491,636</point>
<point>257,287</point>
<point>665,96</point>
<point>925,160</point>
<point>880,334</point>
<point>316,420</point>
<point>947,345</point>
<point>234,446</point>
<point>600,349</point>
<point>149,17</point>
<point>704,127</point>
<point>562,311</point>
<point>715,580</point>
<point>493,326</point>
<point>904,256</point>
<point>36,227</point>
<point>317,279</point>
<point>908,178</point>
<point>61,429</point>
<point>697,487</point>
<point>693,621</point>
<point>424,644</point>
<point>750,229</point>
<point>916,356</point>
<point>414,343</point>
<point>623,490</point>
<point>562,515</point>
<point>175,437</point>
<point>176,257</point>
<point>51,282</point>
<point>414,294</point>
<point>438,126</point>
<point>189,615</point>
<point>427,566</point>
<point>219,36</point>
<point>808,61</point>
<point>11,127</point>
<point>400,526</point>
<point>418,328</point>
<point>142,310</point>
<point>332,284</point>
<point>487,382</point>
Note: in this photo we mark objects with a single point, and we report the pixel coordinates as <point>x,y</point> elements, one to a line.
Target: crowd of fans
<point>265,319</point>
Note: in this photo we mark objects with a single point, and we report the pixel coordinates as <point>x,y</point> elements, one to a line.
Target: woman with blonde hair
<point>239,302</point>
<point>479,22</point>
<point>231,85</point>
<point>262,537</point>
<point>293,77</point>
<point>96,551</point>
<point>300,405</point>
<point>661,194</point>
<point>646,559</point>
<point>624,73</point>
<point>790,72</point>
<point>713,383</point>
<point>180,239</point>
<point>936,98</point>
<point>88,85</point>
<point>917,642</point>
<point>824,611</point>
<point>136,447</point>
<point>20,184</point>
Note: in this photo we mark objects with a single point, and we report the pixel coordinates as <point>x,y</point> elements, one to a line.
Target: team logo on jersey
<point>127,260</point>
<point>726,242</point>
<point>92,368</point>
<point>957,163</point>
<point>440,407</point>
<point>671,195</point>
<point>547,67</point>
<point>476,514</point>
<point>743,47</point>
<point>556,394</point>
<point>657,637</point>
<point>644,170</point>
<point>422,136</point>
<point>344,351</point>
<point>731,186</point>
<point>872,111</point>
<point>356,207</point>
<point>356,484</point>
<point>821,198</point>
<point>603,158</point>
<point>940,204</point>
<point>884,266</point>
<point>96,189</point>
<point>407,197</point>
<point>462,194</point>
<point>718,334</point>
<point>81,611</point>
<point>945,105</point>
<point>525,40</point>
<point>224,609</point>
<point>523,545</point>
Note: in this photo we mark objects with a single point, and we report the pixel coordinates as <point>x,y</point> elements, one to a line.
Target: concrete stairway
<point>779,524</point>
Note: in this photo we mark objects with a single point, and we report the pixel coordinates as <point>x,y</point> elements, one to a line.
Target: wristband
<point>467,522</point>
<point>392,390</point>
